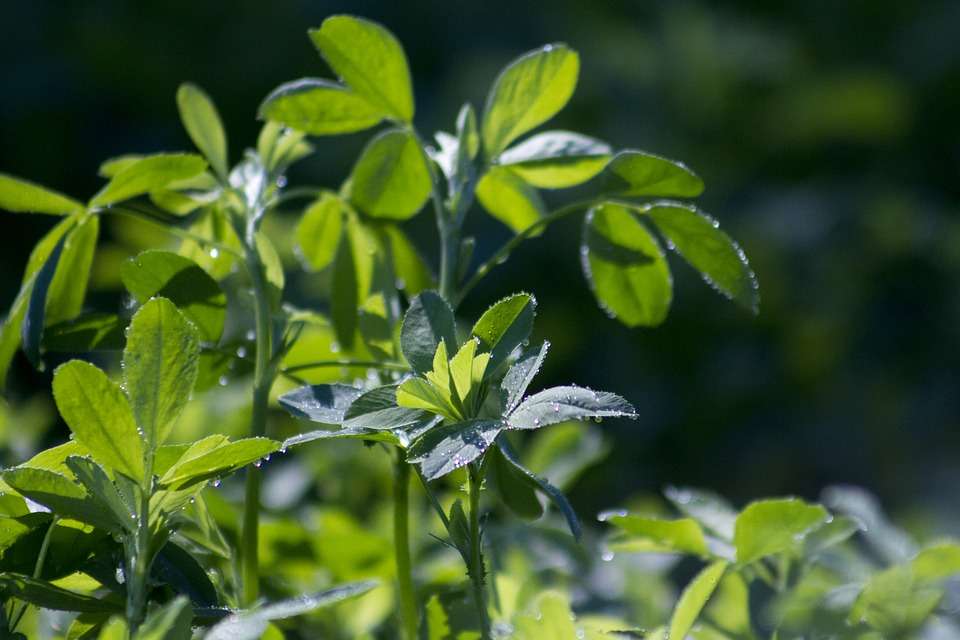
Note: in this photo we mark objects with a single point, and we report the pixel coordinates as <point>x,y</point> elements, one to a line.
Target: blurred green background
<point>827,133</point>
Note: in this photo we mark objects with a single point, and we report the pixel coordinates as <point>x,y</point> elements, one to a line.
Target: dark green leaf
<point>696,237</point>
<point>31,331</point>
<point>625,267</point>
<point>520,375</point>
<point>428,321</point>
<point>21,196</point>
<point>94,332</point>
<point>517,493</point>
<point>391,179</point>
<point>176,567</point>
<point>172,621</point>
<point>505,326</point>
<point>183,282</point>
<point>320,108</point>
<point>202,122</point>
<point>324,403</point>
<point>450,446</point>
<point>557,159</point>
<point>560,404</point>
<point>69,287</point>
<point>101,488</point>
<point>636,173</point>
<point>527,93</point>
<point>377,409</point>
<point>370,60</point>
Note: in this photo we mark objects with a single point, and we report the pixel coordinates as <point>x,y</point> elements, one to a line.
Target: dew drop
<point>223,381</point>
<point>241,352</point>
<point>607,556</point>
<point>250,335</point>
<point>401,284</point>
<point>120,576</point>
<point>334,347</point>
<point>281,182</point>
<point>258,463</point>
<point>214,253</point>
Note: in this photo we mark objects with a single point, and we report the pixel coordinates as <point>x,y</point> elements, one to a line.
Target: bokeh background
<point>827,133</point>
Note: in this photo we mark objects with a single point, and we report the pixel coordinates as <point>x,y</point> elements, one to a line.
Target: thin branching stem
<point>37,568</point>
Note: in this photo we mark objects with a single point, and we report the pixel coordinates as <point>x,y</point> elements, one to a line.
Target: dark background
<point>827,133</point>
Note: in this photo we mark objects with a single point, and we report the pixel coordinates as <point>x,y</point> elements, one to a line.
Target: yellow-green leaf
<point>320,108</point>
<point>202,122</point>
<point>22,196</point>
<point>509,199</point>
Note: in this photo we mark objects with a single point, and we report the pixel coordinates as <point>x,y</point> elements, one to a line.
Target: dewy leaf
<point>697,237</point>
<point>377,409</point>
<point>557,159</point>
<point>149,173</point>
<point>202,122</point>
<point>505,326</point>
<point>250,625</point>
<point>99,416</point>
<point>638,533</point>
<point>506,197</point>
<point>320,108</point>
<point>370,60</point>
<point>520,375</point>
<point>768,527</point>
<point>220,461</point>
<point>48,596</point>
<point>527,93</point>
<point>318,232</point>
<point>560,404</point>
<point>101,488</point>
<point>417,393</point>
<point>59,494</point>
<point>694,598</point>
<point>636,173</point>
<point>450,446</point>
<point>390,179</point>
<point>428,321</point>
<point>625,267</point>
<point>183,282</point>
<point>160,364</point>
<point>323,403</point>
<point>21,196</point>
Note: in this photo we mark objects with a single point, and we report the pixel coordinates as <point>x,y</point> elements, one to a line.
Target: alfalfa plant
<point>466,391</point>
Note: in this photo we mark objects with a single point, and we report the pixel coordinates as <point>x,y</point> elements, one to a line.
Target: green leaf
<point>390,179</point>
<point>175,566</point>
<point>220,461</point>
<point>344,297</point>
<point>93,332</point>
<point>520,375</point>
<point>694,598</point>
<point>323,403</point>
<point>550,617</point>
<point>111,167</point>
<point>505,326</point>
<point>202,122</point>
<point>59,494</point>
<point>625,267</point>
<point>837,530</point>
<point>99,416</point>
<point>370,60</point>
<point>557,159</point>
<point>147,174</point>
<point>512,486</point>
<point>378,409</point>
<point>418,393</point>
<point>657,535</point>
<point>250,625</point>
<point>21,196</point>
<point>450,446</point>
<point>560,404</point>
<point>527,93</point>
<point>637,173</point>
<point>413,274</point>
<point>69,287</point>
<point>170,622</point>
<point>319,108</point>
<point>183,282</point>
<point>319,232</point>
<point>506,197</point>
<point>709,509</point>
<point>893,603</point>
<point>768,527</point>
<point>697,237</point>
<point>101,488</point>
<point>45,595</point>
<point>541,484</point>
<point>428,322</point>
<point>159,367</point>
<point>31,330</point>
<point>936,562</point>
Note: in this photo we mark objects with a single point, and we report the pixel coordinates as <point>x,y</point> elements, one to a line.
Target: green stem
<point>262,381</point>
<point>504,251</point>
<point>138,554</point>
<point>407,595</point>
<point>476,569</point>
<point>320,364</point>
<point>37,568</point>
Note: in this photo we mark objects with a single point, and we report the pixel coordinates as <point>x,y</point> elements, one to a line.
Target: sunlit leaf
<point>637,173</point>
<point>557,159</point>
<point>22,196</point>
<point>768,527</point>
<point>450,446</point>
<point>323,403</point>
<point>639,533</point>
<point>43,594</point>
<point>694,598</point>
<point>505,196</point>
<point>202,122</point>
<point>320,107</point>
<point>149,173</point>
<point>319,231</point>
<point>428,321</point>
<point>390,179</point>
<point>560,404</point>
<point>505,326</point>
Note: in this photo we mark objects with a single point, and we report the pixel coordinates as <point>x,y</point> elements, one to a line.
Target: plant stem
<point>138,554</point>
<point>409,614</point>
<point>449,259</point>
<point>37,568</point>
<point>320,364</point>
<point>476,569</point>
<point>262,381</point>
<point>504,251</point>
